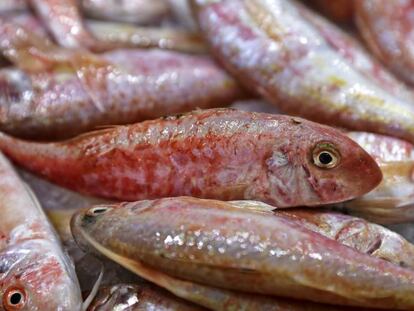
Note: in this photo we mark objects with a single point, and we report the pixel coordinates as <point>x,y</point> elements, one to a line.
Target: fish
<point>392,201</point>
<point>384,148</point>
<point>357,233</point>
<point>144,297</point>
<point>64,20</point>
<point>305,66</point>
<point>12,6</point>
<point>35,273</point>
<point>387,29</point>
<point>122,35</point>
<point>215,153</point>
<point>59,205</point>
<point>58,93</point>
<point>140,12</point>
<point>237,247</point>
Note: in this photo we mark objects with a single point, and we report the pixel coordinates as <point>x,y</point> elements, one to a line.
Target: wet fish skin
<point>62,87</point>
<point>392,201</point>
<point>31,259</point>
<point>120,35</point>
<point>138,297</point>
<point>131,11</point>
<point>63,20</point>
<point>217,244</point>
<point>279,49</point>
<point>206,153</point>
<point>357,233</point>
<point>387,28</point>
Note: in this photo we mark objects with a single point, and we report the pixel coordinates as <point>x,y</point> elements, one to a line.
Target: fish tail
<point>47,159</point>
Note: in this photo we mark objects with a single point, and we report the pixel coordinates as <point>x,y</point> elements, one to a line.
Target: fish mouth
<point>79,235</point>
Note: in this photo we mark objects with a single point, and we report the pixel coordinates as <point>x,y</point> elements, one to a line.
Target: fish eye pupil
<point>15,298</point>
<point>325,158</point>
<point>97,211</point>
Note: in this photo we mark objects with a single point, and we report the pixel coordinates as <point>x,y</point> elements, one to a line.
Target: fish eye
<point>325,155</point>
<point>99,210</point>
<point>14,299</point>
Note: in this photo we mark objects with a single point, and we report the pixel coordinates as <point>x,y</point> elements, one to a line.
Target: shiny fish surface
<point>305,66</point>
<point>142,297</point>
<point>35,273</point>
<point>217,153</point>
<point>225,245</point>
<point>64,21</point>
<point>119,35</point>
<point>392,201</point>
<point>61,94</point>
<point>357,233</point>
<point>60,204</point>
<point>388,30</point>
<point>130,11</point>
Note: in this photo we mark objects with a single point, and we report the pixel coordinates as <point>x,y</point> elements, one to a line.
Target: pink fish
<point>388,30</point>
<point>305,65</point>
<point>35,273</point>
<point>61,93</point>
<point>217,153</point>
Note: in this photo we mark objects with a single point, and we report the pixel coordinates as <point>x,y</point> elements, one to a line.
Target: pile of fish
<point>206,155</point>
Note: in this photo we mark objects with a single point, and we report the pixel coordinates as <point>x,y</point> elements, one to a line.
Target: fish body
<point>58,93</point>
<point>250,249</point>
<point>131,11</point>
<point>392,201</point>
<point>35,273</point>
<point>305,66</point>
<point>388,30</point>
<point>216,153</point>
<point>138,297</point>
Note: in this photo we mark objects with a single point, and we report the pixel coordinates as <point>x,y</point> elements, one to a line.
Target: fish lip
<point>77,232</point>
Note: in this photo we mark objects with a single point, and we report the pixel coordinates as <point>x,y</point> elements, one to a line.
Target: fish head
<point>320,165</point>
<point>34,278</point>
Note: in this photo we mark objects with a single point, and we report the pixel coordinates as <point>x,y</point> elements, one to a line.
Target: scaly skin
<point>63,93</point>
<point>142,297</point>
<point>388,29</point>
<point>216,153</point>
<point>227,245</point>
<point>31,258</point>
<point>280,50</point>
<point>63,20</point>
<point>357,233</point>
<point>393,200</point>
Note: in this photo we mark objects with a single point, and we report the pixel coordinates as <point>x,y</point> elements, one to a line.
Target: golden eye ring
<point>14,299</point>
<point>326,156</point>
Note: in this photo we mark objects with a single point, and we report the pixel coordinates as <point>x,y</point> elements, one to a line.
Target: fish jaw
<point>46,280</point>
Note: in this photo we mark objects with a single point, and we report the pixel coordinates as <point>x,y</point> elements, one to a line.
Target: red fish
<point>217,153</point>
